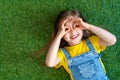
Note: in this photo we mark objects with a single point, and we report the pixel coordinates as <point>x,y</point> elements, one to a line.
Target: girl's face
<point>74,34</point>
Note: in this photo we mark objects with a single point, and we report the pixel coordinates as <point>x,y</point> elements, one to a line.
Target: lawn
<point>26,26</point>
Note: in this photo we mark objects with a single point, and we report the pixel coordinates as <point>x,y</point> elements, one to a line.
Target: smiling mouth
<point>74,36</point>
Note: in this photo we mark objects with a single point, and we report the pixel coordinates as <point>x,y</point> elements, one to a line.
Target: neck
<point>74,43</point>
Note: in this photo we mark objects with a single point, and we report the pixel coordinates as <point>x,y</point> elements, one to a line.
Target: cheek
<point>66,37</point>
<point>80,32</point>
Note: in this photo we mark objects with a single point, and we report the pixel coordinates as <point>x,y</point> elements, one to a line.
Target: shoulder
<point>60,54</point>
<point>62,58</point>
<point>94,40</point>
<point>91,38</point>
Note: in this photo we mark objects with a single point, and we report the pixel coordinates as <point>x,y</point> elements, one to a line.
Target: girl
<point>76,46</point>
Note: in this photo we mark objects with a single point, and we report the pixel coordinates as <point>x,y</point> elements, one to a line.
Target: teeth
<point>74,36</point>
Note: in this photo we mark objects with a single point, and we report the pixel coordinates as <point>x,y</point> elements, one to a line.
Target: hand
<point>79,23</point>
<point>63,29</point>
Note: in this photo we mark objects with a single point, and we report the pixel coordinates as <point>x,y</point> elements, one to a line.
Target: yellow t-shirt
<point>77,50</point>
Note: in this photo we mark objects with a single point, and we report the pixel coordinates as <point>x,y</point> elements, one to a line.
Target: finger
<point>63,24</point>
<point>67,29</point>
<point>80,19</point>
<point>76,25</point>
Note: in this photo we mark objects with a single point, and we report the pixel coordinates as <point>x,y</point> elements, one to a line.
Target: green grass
<point>26,26</point>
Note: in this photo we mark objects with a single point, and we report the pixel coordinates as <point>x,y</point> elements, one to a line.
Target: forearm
<point>52,52</point>
<point>52,59</point>
<point>106,36</point>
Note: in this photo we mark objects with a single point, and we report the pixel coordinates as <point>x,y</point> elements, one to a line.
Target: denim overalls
<point>86,66</point>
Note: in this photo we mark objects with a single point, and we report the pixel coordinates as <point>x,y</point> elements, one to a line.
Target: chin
<point>74,43</point>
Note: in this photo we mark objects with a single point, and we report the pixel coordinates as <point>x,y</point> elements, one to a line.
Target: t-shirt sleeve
<point>95,43</point>
<point>61,56</point>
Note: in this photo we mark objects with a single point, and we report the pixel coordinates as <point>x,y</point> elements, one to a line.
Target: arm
<point>52,59</point>
<point>106,38</point>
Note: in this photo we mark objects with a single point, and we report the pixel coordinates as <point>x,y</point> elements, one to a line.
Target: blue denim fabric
<point>86,66</point>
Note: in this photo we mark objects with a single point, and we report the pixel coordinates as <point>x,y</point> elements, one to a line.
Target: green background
<point>26,26</point>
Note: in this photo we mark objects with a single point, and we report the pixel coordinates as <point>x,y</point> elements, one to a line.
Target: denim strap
<point>89,45</point>
<point>66,53</point>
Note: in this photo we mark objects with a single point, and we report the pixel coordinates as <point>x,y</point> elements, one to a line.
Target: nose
<point>71,27</point>
<point>72,30</point>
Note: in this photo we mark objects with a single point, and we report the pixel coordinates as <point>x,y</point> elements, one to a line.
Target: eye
<point>67,29</point>
<point>76,26</point>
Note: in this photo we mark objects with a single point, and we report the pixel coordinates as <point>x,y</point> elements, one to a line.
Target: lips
<point>74,36</point>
